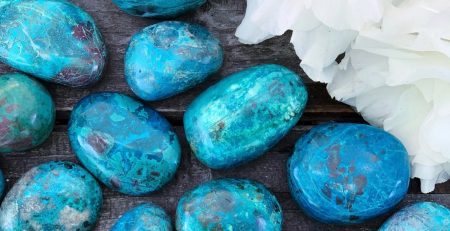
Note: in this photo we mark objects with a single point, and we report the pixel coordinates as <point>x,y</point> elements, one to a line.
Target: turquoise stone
<point>421,216</point>
<point>27,113</point>
<point>348,173</point>
<point>52,196</point>
<point>145,217</point>
<point>168,58</point>
<point>244,115</point>
<point>53,40</point>
<point>158,8</point>
<point>128,146</point>
<point>229,204</point>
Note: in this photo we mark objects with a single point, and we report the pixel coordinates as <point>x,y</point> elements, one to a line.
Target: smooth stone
<point>244,115</point>
<point>229,204</point>
<point>27,113</point>
<point>52,196</point>
<point>421,216</point>
<point>128,146</point>
<point>348,173</point>
<point>145,217</point>
<point>158,8</point>
<point>53,40</point>
<point>171,57</point>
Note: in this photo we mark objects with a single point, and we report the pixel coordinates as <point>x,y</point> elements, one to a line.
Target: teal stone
<point>168,58</point>
<point>158,8</point>
<point>128,146</point>
<point>53,40</point>
<point>52,196</point>
<point>244,115</point>
<point>27,113</point>
<point>229,204</point>
<point>145,217</point>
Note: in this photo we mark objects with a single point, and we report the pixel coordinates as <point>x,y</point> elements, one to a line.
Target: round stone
<point>145,217</point>
<point>158,8</point>
<point>128,146</point>
<point>348,173</point>
<point>27,113</point>
<point>171,57</point>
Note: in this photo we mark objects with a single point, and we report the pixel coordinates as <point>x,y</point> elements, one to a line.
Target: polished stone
<point>145,217</point>
<point>53,40</point>
<point>229,204</point>
<point>158,8</point>
<point>244,115</point>
<point>128,146</point>
<point>171,57</point>
<point>348,173</point>
<point>27,113</point>
<point>52,196</point>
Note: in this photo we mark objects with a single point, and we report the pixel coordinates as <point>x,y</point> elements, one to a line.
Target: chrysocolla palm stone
<point>53,40</point>
<point>168,58</point>
<point>145,217</point>
<point>27,113</point>
<point>422,216</point>
<point>244,115</point>
<point>348,173</point>
<point>52,196</point>
<point>128,146</point>
<point>158,8</point>
<point>229,204</point>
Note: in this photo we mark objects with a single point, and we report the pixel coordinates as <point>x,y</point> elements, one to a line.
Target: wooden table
<point>221,17</point>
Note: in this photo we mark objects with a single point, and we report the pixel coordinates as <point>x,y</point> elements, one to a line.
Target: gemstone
<point>229,204</point>
<point>145,217</point>
<point>244,115</point>
<point>348,173</point>
<point>168,58</point>
<point>53,40</point>
<point>128,146</point>
<point>27,113</point>
<point>158,8</point>
<point>52,196</point>
<point>420,216</point>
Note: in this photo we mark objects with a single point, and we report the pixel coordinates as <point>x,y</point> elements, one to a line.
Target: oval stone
<point>168,58</point>
<point>53,40</point>
<point>158,8</point>
<point>348,173</point>
<point>229,204</point>
<point>27,113</point>
<point>52,196</point>
<point>421,216</point>
<point>125,144</point>
<point>244,115</point>
<point>145,217</point>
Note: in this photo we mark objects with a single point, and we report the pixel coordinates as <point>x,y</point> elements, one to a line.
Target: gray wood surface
<point>221,17</point>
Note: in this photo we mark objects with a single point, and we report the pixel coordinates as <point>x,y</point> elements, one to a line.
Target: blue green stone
<point>168,58</point>
<point>244,115</point>
<point>145,217</point>
<point>158,8</point>
<point>27,113</point>
<point>348,173</point>
<point>229,204</point>
<point>53,40</point>
<point>128,146</point>
<point>52,196</point>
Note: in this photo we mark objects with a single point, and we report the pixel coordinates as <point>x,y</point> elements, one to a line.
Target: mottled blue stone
<point>348,173</point>
<point>244,115</point>
<point>422,216</point>
<point>229,204</point>
<point>168,58</point>
<point>158,8</point>
<point>52,196</point>
<point>145,217</point>
<point>128,146</point>
<point>53,40</point>
<point>2,184</point>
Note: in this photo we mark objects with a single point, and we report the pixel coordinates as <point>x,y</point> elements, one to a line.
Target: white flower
<point>396,70</point>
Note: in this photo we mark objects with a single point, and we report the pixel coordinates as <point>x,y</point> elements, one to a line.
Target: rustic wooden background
<point>221,17</point>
